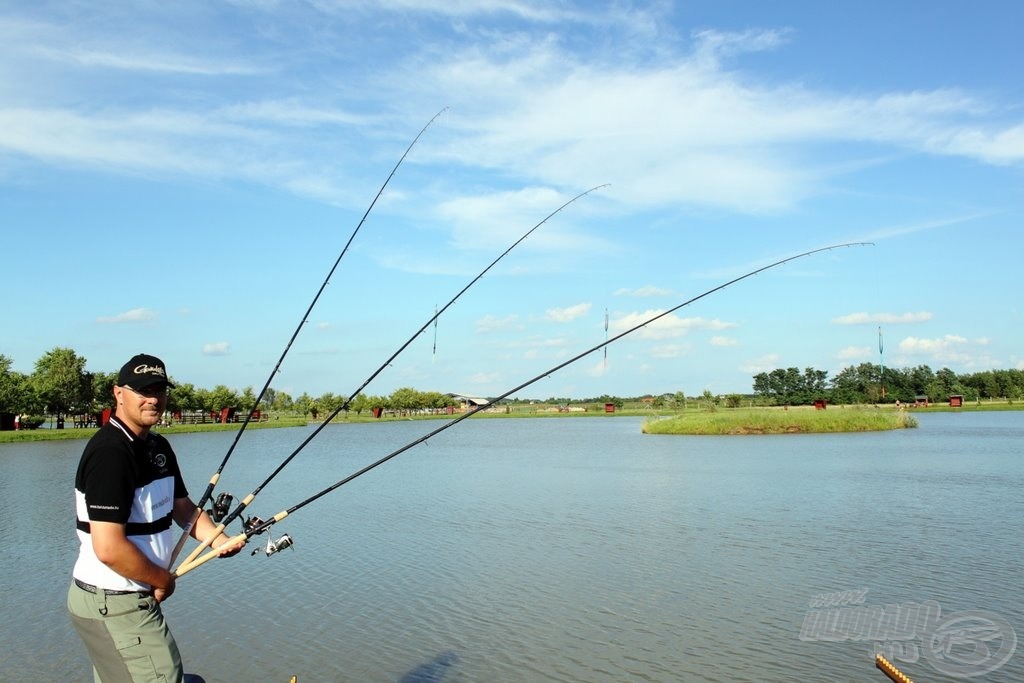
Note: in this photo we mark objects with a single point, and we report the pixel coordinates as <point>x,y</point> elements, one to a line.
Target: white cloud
<point>485,378</point>
<point>765,363</point>
<point>216,349</point>
<point>665,327</point>
<point>552,343</point>
<point>648,290</point>
<point>669,351</point>
<point>538,109</point>
<point>495,220</point>
<point>863,318</point>
<point>932,346</point>
<point>598,369</point>
<point>723,341</point>
<point>568,314</point>
<point>490,323</point>
<point>854,353</point>
<point>136,315</point>
<point>146,62</point>
<point>950,349</point>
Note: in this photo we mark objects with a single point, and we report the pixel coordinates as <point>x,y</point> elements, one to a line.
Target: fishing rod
<point>223,520</point>
<point>261,526</point>
<point>273,373</point>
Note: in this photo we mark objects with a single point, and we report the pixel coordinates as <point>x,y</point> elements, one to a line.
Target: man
<point>128,489</point>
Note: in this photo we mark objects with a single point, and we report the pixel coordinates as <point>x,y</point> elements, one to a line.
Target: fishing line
<point>263,526</point>
<point>344,406</point>
<point>273,373</point>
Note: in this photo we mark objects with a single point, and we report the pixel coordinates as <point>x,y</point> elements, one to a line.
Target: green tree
<point>247,401</point>
<point>269,397</point>
<point>815,385</point>
<point>856,384</point>
<point>437,400</point>
<point>102,391</point>
<point>222,397</point>
<point>945,384</point>
<point>762,385</point>
<point>14,388</point>
<point>61,382</point>
<point>406,398</point>
<point>185,396</point>
<point>304,404</point>
<point>709,399</point>
<point>330,402</point>
<point>281,400</point>
<point>360,403</point>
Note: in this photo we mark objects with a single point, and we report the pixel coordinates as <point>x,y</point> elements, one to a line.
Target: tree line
<point>870,383</point>
<point>61,387</point>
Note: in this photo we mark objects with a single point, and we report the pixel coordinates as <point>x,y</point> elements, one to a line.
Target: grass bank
<point>26,435</point>
<point>779,421</point>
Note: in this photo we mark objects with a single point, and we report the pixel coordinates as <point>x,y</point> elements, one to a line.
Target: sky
<point>180,178</point>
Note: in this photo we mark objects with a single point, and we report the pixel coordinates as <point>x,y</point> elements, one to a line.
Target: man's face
<point>140,409</point>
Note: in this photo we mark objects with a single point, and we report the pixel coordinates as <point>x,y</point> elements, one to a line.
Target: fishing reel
<point>221,507</point>
<point>251,525</point>
<point>275,546</point>
<point>254,525</point>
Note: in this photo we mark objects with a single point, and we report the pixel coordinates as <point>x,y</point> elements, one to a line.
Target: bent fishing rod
<point>305,318</point>
<point>223,519</point>
<point>261,526</point>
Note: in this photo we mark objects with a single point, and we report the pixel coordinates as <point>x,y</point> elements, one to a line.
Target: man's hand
<point>230,547</point>
<point>161,594</point>
<point>113,549</point>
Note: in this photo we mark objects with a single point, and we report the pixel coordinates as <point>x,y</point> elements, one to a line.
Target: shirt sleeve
<point>108,487</point>
<point>180,491</point>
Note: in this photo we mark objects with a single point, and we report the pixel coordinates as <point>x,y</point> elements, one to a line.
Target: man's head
<point>141,392</point>
<point>143,371</point>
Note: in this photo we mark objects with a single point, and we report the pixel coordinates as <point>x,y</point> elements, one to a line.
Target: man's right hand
<point>161,594</point>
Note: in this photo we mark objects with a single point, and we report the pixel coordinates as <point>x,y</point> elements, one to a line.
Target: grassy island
<point>781,421</point>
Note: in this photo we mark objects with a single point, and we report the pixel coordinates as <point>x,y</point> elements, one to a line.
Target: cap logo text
<point>149,370</point>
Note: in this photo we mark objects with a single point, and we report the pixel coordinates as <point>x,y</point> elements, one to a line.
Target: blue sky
<point>178,178</point>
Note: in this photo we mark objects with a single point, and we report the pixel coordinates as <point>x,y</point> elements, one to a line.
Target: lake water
<point>574,549</point>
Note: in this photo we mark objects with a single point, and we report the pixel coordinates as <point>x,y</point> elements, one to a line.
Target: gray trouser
<point>126,636</point>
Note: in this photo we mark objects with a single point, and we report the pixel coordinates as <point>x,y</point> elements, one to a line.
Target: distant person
<point>128,489</point>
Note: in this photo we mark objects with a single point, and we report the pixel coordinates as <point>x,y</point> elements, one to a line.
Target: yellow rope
<point>890,670</point>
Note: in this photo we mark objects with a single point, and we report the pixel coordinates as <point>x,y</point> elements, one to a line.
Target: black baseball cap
<point>143,371</point>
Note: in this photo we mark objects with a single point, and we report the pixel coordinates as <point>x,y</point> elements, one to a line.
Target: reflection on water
<point>434,671</point>
<point>553,550</point>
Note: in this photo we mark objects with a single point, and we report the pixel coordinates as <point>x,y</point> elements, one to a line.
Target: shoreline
<point>656,415</point>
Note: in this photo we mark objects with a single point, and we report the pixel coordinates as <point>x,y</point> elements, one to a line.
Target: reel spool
<point>221,507</point>
<point>276,546</point>
<point>252,523</point>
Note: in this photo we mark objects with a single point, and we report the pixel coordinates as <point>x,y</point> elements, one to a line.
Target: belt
<point>88,587</point>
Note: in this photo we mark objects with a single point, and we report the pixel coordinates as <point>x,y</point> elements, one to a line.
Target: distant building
<point>468,402</point>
